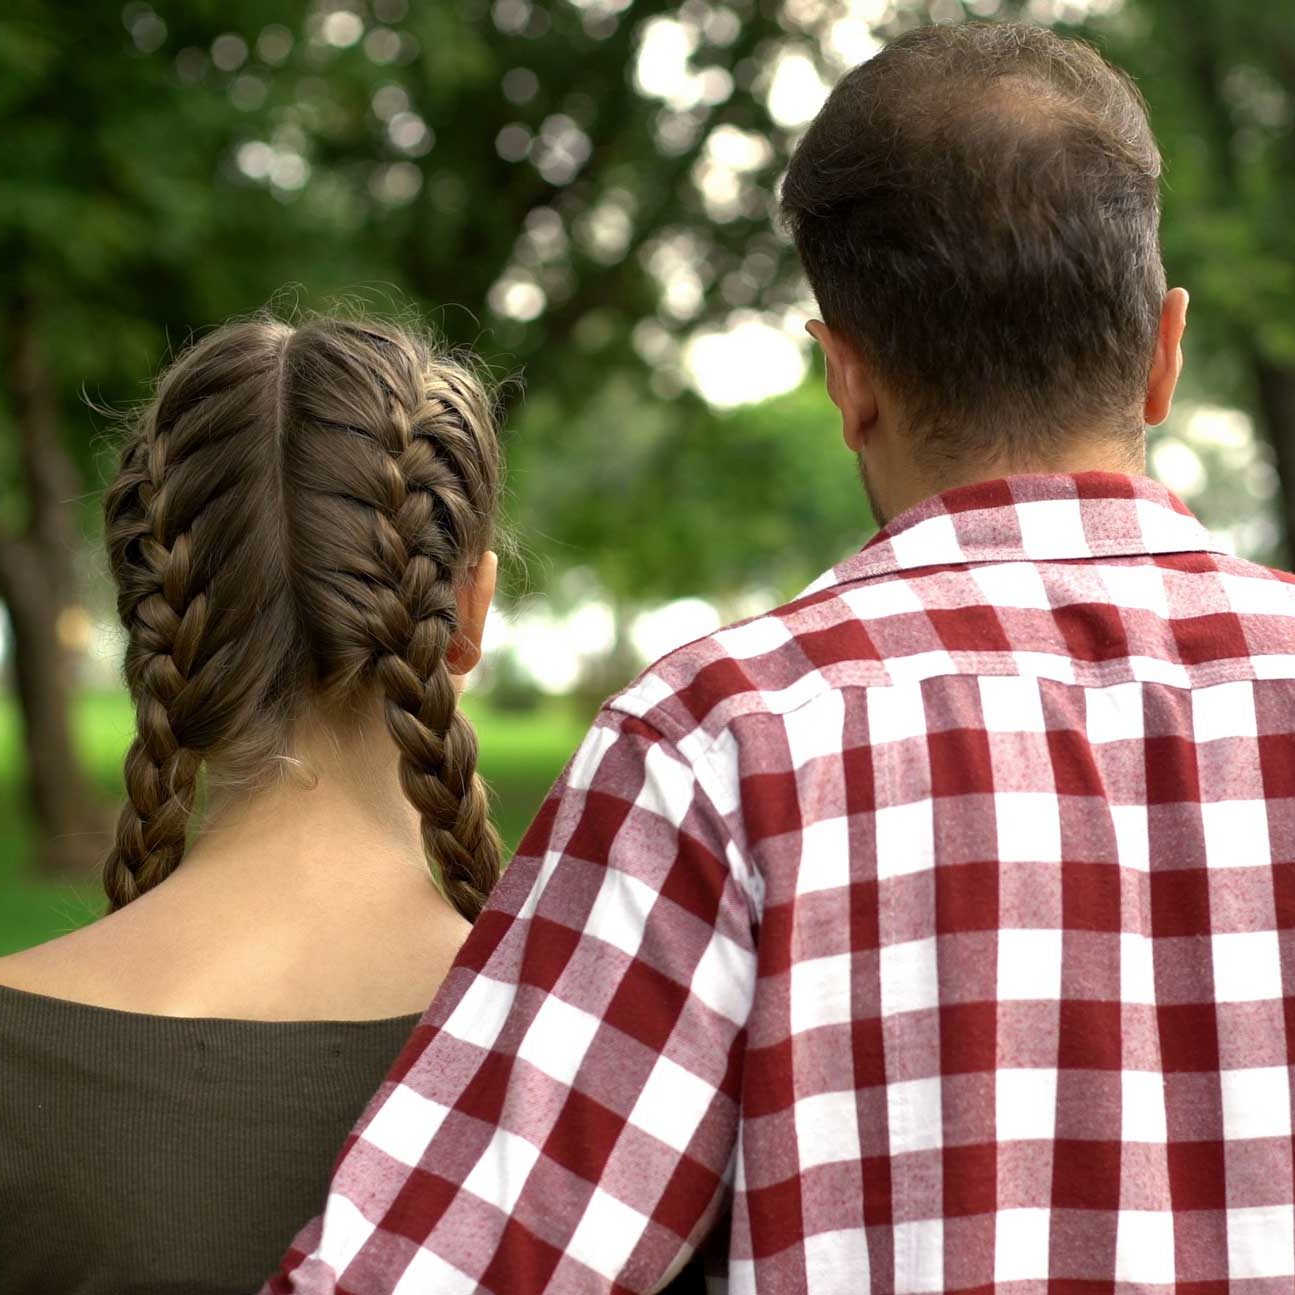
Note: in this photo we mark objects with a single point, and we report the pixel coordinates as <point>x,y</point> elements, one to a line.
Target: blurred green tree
<point>572,187</point>
<point>171,165</point>
<point>118,231</point>
<point>108,162</point>
<point>1218,81</point>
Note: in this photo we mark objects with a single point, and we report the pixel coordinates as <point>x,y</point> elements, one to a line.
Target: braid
<point>165,616</point>
<point>416,480</point>
<point>174,519</point>
<point>437,744</point>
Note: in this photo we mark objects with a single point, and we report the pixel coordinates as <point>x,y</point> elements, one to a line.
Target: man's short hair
<point>977,209</point>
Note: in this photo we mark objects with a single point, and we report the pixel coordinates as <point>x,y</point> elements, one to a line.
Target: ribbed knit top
<point>157,1155</point>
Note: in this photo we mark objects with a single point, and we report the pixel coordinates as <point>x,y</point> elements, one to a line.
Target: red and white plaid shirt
<point>932,933</point>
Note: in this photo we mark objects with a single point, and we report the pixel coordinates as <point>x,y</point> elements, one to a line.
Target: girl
<point>300,536</point>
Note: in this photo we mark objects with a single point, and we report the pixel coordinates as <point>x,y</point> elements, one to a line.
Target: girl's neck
<point>334,814</point>
<point>306,899</point>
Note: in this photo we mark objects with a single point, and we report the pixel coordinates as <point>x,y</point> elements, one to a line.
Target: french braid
<point>391,501</point>
<point>182,521</point>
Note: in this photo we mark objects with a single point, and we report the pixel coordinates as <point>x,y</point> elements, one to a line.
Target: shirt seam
<point>692,764</point>
<point>986,557</point>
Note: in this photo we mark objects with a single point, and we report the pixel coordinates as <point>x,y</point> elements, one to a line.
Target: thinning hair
<point>977,210</point>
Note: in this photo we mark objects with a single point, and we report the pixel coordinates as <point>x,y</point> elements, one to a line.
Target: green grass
<point>521,754</point>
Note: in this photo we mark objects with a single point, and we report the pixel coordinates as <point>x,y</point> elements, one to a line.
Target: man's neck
<point>911,485</point>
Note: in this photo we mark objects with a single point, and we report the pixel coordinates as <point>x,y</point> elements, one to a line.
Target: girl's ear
<point>474,597</point>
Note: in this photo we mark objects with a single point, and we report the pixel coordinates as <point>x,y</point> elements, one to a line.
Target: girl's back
<point>152,1153</point>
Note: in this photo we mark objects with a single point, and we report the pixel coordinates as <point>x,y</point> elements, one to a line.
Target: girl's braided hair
<point>294,511</point>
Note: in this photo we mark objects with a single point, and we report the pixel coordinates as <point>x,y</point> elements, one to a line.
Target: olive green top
<point>157,1155</point>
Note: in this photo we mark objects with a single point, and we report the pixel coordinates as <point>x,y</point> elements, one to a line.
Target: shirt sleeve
<point>565,1115</point>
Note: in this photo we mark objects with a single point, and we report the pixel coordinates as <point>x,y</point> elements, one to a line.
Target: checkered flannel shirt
<point>932,933</point>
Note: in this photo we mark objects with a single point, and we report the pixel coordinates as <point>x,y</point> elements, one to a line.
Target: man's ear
<point>849,383</point>
<point>473,597</point>
<point>1168,361</point>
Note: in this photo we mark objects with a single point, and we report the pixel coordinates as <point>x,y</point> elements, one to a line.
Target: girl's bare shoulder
<point>68,966</point>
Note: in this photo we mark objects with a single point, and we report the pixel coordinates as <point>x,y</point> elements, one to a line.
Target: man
<point>935,932</point>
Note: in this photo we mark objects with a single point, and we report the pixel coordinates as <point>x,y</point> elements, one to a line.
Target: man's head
<point>977,209</point>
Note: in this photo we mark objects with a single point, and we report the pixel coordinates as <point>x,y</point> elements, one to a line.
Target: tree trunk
<point>38,584</point>
<point>70,834</point>
<point>1275,387</point>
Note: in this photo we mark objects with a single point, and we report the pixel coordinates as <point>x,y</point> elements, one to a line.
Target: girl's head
<point>296,514</point>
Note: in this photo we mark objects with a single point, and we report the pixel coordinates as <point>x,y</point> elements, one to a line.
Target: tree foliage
<point>1217,80</point>
<point>525,176</point>
<point>496,166</point>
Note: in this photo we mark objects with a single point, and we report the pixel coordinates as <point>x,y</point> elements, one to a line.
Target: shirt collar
<point>1036,518</point>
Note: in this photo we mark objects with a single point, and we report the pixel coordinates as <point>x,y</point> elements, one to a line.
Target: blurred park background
<point>583,191</point>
